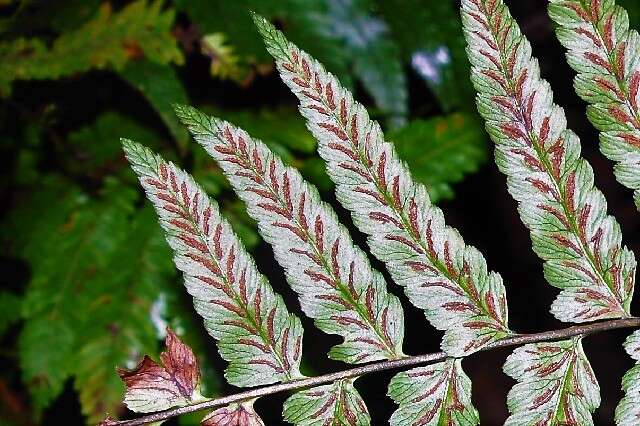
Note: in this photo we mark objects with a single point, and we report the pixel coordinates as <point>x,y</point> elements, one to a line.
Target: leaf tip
<point>274,40</point>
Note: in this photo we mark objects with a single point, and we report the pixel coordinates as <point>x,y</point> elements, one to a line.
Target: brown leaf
<point>153,387</point>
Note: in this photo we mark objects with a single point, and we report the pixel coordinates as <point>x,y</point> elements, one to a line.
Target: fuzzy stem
<point>516,340</point>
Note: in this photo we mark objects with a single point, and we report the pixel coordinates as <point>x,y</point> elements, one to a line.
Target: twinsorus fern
<point>580,245</point>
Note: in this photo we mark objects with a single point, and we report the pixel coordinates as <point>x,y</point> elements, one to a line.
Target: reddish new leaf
<point>153,386</point>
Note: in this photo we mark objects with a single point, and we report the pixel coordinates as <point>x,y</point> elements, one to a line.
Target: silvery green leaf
<point>438,394</point>
<point>556,385</point>
<point>605,53</point>
<point>628,410</point>
<point>333,278</point>
<point>256,334</point>
<point>442,275</point>
<point>566,214</point>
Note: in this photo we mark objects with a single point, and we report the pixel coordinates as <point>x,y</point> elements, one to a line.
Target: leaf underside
<point>333,278</point>
<point>605,53</point>
<point>566,214</point>
<point>438,394</point>
<point>241,414</point>
<point>628,410</point>
<point>442,275</point>
<point>556,385</point>
<point>337,404</point>
<point>257,336</point>
<point>155,387</point>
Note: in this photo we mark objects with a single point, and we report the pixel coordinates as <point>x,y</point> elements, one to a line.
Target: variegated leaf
<point>333,278</point>
<point>241,414</point>
<point>438,394</point>
<point>606,55</point>
<point>337,404</point>
<point>554,186</point>
<point>155,387</point>
<point>256,334</point>
<point>556,385</point>
<point>442,275</point>
<point>628,410</point>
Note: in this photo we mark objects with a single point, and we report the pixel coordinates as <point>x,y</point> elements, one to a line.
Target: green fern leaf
<point>441,151</point>
<point>91,151</point>
<point>64,247</point>
<point>628,410</point>
<point>109,40</point>
<point>119,304</point>
<point>556,385</point>
<point>160,85</point>
<point>439,394</point>
<point>337,404</point>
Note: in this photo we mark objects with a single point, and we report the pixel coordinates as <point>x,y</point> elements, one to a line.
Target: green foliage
<point>10,308</point>
<point>90,151</point>
<point>161,87</point>
<point>64,250</point>
<point>431,39</point>
<point>441,151</point>
<point>110,39</point>
<point>73,217</point>
<point>109,259</point>
<point>343,34</point>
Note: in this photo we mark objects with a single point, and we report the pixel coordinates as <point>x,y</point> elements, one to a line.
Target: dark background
<point>482,210</point>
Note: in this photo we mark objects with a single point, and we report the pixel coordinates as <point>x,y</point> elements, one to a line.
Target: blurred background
<point>87,281</point>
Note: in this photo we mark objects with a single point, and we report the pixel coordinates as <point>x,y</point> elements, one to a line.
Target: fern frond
<point>109,40</point>
<point>566,214</point>
<point>556,385</point>
<point>336,404</point>
<point>628,410</point>
<point>441,151</point>
<point>604,52</point>
<point>256,334</point>
<point>155,387</point>
<point>336,285</point>
<point>442,275</point>
<point>434,395</point>
<point>241,414</point>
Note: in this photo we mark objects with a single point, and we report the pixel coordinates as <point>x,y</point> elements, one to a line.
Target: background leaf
<point>110,39</point>
<point>441,151</point>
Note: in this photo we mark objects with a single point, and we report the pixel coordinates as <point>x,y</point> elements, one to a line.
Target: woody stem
<point>411,361</point>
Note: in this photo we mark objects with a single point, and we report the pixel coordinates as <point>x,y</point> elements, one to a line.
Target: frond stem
<point>411,361</point>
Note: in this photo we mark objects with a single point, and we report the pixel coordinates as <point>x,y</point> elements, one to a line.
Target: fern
<point>443,276</point>
<point>556,385</point>
<point>579,244</point>
<point>82,256</point>
<point>604,52</point>
<point>108,40</point>
<point>240,308</point>
<point>628,411</point>
<point>335,282</point>
<point>433,395</point>
<point>441,151</point>
<point>565,213</point>
<point>165,90</point>
<point>558,202</point>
